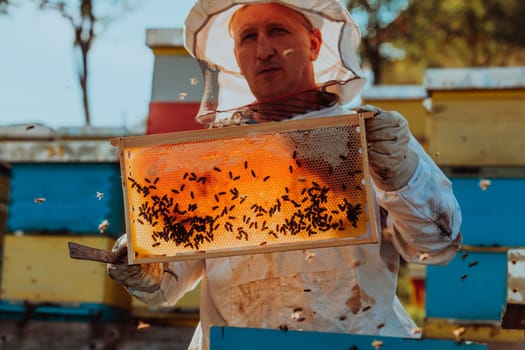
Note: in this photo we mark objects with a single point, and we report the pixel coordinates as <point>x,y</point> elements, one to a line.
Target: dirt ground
<point>45,335</point>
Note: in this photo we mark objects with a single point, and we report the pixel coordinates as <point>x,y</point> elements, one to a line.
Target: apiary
<point>247,189</point>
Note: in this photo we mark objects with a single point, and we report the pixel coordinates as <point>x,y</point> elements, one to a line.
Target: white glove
<point>140,277</point>
<point>392,162</point>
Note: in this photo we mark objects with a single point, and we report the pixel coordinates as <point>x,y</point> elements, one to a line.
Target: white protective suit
<point>349,289</point>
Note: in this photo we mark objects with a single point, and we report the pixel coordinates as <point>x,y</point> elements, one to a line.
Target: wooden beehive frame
<point>147,162</point>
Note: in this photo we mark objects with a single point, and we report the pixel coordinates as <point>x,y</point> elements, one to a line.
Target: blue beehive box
<point>231,338</point>
<point>471,288</point>
<point>61,197</point>
<point>492,217</point>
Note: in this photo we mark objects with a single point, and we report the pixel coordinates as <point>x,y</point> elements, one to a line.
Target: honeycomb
<point>247,189</point>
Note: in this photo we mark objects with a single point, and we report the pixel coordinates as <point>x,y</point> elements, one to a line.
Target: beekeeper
<point>292,59</point>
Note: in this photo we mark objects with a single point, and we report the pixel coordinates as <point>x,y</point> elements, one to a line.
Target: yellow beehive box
<point>39,269</point>
<point>477,116</point>
<point>409,100</point>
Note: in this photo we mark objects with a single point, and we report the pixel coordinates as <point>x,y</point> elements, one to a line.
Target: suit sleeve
<point>424,217</point>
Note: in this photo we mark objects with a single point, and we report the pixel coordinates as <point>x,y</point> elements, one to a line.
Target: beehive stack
<point>62,188</point>
<point>475,135</point>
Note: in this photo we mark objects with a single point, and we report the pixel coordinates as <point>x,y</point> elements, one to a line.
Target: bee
<point>356,263</point>
<point>377,344</point>
<point>103,226</point>
<point>309,257</point>
<point>297,315</point>
<point>458,332</point>
<point>283,328</point>
<point>417,330</point>
<point>423,256</point>
<point>143,325</point>
<point>484,184</point>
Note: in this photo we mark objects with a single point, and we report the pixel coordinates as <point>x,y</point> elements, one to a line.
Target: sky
<point>38,80</point>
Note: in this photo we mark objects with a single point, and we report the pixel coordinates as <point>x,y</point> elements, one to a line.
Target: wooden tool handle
<point>79,251</point>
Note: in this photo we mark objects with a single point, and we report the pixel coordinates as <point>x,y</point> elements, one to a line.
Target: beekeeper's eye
<point>248,36</point>
<point>278,30</point>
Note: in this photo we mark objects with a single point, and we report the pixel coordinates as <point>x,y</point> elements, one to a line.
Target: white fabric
<point>347,289</point>
<point>207,39</point>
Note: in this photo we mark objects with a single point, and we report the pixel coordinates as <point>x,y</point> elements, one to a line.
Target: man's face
<point>275,50</point>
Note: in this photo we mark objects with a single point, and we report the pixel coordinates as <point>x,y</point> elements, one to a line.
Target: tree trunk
<point>83,77</point>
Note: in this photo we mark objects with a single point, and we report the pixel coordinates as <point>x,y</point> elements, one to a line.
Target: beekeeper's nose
<point>265,48</point>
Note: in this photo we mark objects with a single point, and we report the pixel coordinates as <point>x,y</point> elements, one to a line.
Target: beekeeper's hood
<point>207,38</point>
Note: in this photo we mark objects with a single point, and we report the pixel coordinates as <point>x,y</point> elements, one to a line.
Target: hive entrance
<point>248,189</point>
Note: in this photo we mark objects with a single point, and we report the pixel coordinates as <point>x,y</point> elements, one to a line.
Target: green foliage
<point>374,17</point>
<point>439,33</point>
<point>3,6</point>
<point>460,33</point>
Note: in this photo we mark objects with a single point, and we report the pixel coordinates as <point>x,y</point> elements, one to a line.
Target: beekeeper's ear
<point>237,60</point>
<point>316,40</point>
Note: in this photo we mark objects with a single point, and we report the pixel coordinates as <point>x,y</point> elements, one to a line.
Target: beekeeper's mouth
<point>268,71</point>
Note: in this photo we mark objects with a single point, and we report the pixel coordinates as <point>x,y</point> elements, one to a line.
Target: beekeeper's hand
<point>139,277</point>
<point>392,162</point>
